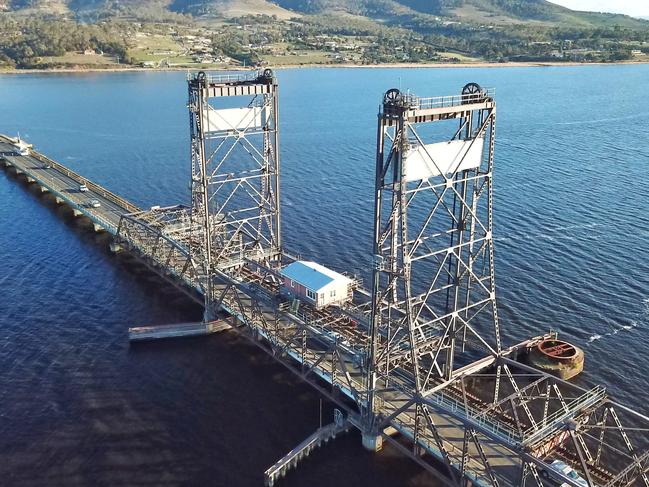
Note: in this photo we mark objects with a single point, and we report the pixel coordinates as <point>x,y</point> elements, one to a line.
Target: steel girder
<point>159,238</point>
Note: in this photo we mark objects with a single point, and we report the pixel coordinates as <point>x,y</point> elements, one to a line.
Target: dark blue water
<point>79,407</point>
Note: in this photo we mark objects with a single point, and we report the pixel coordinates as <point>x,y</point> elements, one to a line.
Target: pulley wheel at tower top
<point>393,95</point>
<point>471,93</point>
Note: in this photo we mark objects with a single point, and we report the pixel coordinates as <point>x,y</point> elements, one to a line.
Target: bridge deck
<point>505,462</point>
<point>64,185</point>
<point>447,412</point>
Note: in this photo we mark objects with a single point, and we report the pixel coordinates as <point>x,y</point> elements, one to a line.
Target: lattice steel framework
<point>235,170</point>
<point>433,286</point>
<point>160,238</point>
<point>436,371</point>
<point>417,361</point>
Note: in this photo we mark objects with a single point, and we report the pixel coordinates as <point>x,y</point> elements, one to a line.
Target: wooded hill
<point>386,11</point>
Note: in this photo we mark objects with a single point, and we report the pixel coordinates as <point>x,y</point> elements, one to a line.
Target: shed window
<point>332,294</point>
<point>292,283</point>
<point>310,294</point>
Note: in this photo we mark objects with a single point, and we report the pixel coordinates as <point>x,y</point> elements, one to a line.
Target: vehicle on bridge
<point>83,188</point>
<point>93,204</point>
<point>557,466</point>
<point>21,147</point>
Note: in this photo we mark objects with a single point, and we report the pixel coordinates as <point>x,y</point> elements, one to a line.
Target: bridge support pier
<point>76,212</point>
<point>115,247</point>
<point>30,179</point>
<point>209,314</point>
<point>59,201</point>
<point>98,228</point>
<point>44,189</point>
<point>372,441</point>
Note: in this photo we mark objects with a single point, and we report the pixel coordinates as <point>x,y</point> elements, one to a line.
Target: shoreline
<point>526,64</point>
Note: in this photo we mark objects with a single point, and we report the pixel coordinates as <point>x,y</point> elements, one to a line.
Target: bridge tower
<point>235,172</point>
<point>433,287</point>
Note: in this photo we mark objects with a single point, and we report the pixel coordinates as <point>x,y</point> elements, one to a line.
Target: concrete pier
<point>372,441</point>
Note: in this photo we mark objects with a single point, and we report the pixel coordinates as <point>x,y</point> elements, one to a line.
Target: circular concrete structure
<point>557,357</point>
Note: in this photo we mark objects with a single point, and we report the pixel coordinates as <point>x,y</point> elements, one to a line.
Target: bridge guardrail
<point>118,200</point>
<point>558,418</point>
<point>503,431</point>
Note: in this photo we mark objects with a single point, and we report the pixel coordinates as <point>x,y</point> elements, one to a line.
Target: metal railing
<point>557,419</point>
<point>244,77</point>
<point>474,469</point>
<point>448,101</point>
<point>453,405</point>
<point>321,435</point>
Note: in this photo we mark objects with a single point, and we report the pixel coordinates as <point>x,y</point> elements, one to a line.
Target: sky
<point>636,8</point>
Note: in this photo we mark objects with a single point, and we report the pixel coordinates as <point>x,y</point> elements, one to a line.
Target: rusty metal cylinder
<point>557,357</point>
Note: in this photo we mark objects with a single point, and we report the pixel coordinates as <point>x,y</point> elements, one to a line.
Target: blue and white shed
<point>315,284</point>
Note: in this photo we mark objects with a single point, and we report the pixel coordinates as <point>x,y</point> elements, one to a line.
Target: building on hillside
<point>315,284</point>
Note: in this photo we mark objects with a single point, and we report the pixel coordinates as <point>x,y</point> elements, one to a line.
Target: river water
<point>78,406</point>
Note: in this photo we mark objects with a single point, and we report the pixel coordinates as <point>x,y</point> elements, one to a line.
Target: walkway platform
<point>177,330</point>
<point>301,451</point>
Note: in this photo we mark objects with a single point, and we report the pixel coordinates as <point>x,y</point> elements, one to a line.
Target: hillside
<point>495,12</point>
<point>101,34</point>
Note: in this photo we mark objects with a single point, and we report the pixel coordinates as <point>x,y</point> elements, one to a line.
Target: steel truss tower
<point>235,169</point>
<point>433,292</point>
<point>439,381</point>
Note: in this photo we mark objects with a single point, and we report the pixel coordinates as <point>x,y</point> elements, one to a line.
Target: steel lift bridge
<point>419,359</point>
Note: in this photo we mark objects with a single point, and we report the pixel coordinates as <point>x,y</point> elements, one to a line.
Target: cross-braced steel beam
<point>235,170</point>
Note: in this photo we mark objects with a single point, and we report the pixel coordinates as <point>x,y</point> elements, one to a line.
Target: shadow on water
<point>196,411</point>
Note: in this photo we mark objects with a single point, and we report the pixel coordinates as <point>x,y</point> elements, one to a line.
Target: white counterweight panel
<point>233,119</point>
<point>427,161</point>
